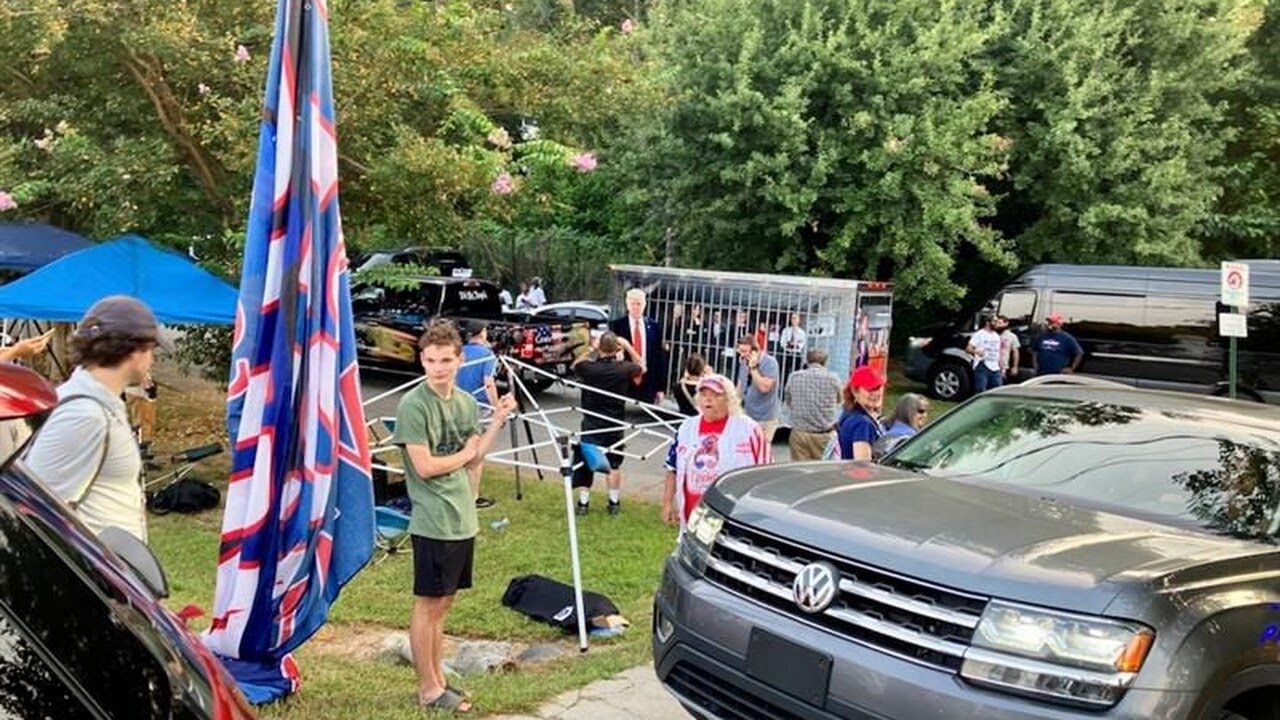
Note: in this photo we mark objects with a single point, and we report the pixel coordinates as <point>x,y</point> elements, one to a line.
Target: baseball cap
<point>714,383</point>
<point>472,328</point>
<point>122,316</point>
<point>866,378</point>
<point>1054,319</point>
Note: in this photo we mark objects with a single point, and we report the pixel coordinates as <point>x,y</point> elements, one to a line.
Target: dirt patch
<point>190,411</point>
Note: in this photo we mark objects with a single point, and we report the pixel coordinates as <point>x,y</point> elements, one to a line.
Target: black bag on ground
<point>185,496</point>
<point>551,602</point>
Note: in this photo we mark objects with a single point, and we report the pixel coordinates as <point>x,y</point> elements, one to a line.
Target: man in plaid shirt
<point>813,398</point>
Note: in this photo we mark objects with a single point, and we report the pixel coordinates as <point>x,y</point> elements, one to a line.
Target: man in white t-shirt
<point>984,346</point>
<point>537,297</point>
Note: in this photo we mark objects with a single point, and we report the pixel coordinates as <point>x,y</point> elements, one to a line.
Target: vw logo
<point>815,587</point>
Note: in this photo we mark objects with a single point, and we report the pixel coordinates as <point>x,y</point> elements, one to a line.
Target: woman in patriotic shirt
<point>718,439</point>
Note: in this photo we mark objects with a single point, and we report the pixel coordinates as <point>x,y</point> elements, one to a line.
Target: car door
<point>1107,324</point>
<point>1180,336</point>
<point>70,641</point>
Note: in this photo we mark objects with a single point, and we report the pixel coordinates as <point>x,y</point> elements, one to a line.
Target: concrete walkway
<point>632,695</point>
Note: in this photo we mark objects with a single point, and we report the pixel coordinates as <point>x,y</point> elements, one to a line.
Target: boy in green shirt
<point>438,429</point>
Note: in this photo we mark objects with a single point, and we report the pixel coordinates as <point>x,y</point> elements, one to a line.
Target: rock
<point>540,654</point>
<point>475,657</point>
<point>394,649</point>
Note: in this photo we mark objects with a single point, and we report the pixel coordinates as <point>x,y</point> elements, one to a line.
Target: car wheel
<point>538,384</point>
<point>949,380</point>
<point>1256,705</point>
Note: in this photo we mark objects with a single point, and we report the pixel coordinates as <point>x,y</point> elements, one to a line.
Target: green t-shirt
<point>443,506</point>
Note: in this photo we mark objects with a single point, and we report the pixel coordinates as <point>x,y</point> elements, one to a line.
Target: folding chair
<point>391,531</point>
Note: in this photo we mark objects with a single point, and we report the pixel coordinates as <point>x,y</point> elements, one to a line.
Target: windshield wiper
<point>905,464</point>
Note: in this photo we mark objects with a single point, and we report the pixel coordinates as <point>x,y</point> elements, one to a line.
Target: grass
<point>621,559</point>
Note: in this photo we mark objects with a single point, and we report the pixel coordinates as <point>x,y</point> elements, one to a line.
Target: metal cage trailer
<point>707,311</point>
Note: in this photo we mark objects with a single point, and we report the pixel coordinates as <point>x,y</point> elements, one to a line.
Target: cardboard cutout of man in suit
<point>645,336</point>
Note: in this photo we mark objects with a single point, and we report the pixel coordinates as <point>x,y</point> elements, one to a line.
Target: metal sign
<point>1235,284</point>
<point>1232,325</point>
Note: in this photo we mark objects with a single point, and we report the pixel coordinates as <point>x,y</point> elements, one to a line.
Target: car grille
<point>713,694</point>
<point>915,620</point>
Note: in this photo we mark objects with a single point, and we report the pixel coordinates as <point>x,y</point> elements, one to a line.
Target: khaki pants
<point>769,427</point>
<point>807,445</point>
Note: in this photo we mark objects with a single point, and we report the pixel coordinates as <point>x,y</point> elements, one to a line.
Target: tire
<point>949,380</point>
<point>538,384</point>
<point>1256,705</point>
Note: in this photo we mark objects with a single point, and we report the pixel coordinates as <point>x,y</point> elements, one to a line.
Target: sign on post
<point>1235,284</point>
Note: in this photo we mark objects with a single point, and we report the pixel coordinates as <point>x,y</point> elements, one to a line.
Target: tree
<point>825,136</point>
<point>1246,221</point>
<point>1116,123</point>
<point>143,115</point>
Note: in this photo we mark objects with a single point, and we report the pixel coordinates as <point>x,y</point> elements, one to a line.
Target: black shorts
<point>442,567</point>
<point>583,476</point>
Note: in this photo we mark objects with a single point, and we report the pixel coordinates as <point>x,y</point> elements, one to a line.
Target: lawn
<point>621,558</point>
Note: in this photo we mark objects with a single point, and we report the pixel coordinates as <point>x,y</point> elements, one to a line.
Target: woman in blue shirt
<point>860,427</point>
<point>909,415</point>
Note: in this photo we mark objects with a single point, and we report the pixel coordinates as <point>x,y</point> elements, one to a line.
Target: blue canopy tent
<point>25,246</point>
<point>177,290</point>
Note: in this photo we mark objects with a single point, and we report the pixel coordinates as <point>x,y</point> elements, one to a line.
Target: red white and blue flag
<point>299,508</point>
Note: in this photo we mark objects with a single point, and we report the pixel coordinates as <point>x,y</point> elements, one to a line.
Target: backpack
<point>185,496</point>
<point>552,602</point>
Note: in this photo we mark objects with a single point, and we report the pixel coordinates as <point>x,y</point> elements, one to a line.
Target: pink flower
<point>583,162</point>
<point>627,27</point>
<point>242,54</point>
<point>203,89</point>
<point>503,185</point>
<point>7,202</point>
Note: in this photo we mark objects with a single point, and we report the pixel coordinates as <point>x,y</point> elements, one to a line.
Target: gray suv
<point>1043,551</point>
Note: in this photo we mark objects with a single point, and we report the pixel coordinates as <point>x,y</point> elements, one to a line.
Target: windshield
<point>1185,468</point>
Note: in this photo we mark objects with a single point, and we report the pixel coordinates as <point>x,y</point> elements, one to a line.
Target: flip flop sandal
<point>450,702</point>
<point>458,691</point>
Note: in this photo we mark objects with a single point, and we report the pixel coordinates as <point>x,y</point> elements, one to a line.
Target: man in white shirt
<point>984,346</point>
<point>537,297</point>
<point>86,452</point>
<point>793,337</point>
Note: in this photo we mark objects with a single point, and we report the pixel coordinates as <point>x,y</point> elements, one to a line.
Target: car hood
<point>978,538</point>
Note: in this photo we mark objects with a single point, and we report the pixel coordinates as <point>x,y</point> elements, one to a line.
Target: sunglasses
<point>922,411</point>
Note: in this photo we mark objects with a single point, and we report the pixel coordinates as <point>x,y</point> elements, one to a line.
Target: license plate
<point>794,669</point>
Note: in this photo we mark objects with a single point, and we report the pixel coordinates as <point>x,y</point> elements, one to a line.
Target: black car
<point>82,631</point>
<point>447,261</point>
<point>1144,326</point>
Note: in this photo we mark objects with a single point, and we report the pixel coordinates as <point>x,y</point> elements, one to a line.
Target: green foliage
<point>139,117</point>
<point>842,138</point>
<point>1116,123</point>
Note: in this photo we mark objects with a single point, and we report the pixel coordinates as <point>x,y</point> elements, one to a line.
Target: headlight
<point>916,343</point>
<point>699,535</point>
<point>1066,657</point>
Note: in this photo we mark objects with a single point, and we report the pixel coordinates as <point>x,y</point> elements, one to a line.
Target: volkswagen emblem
<point>815,587</point>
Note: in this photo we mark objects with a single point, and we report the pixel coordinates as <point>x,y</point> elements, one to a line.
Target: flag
<point>299,506</point>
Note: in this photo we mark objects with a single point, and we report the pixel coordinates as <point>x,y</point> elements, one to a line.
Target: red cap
<point>1054,319</point>
<point>866,378</point>
<point>715,383</point>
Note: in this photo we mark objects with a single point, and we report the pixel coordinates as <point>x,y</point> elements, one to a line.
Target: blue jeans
<point>984,378</point>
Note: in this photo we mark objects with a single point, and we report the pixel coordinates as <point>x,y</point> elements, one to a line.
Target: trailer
<point>707,312</point>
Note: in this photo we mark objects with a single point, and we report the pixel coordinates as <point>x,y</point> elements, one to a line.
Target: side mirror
<point>886,445</point>
<point>139,557</point>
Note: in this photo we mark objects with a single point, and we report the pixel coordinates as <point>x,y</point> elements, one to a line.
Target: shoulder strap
<point>107,414</point>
